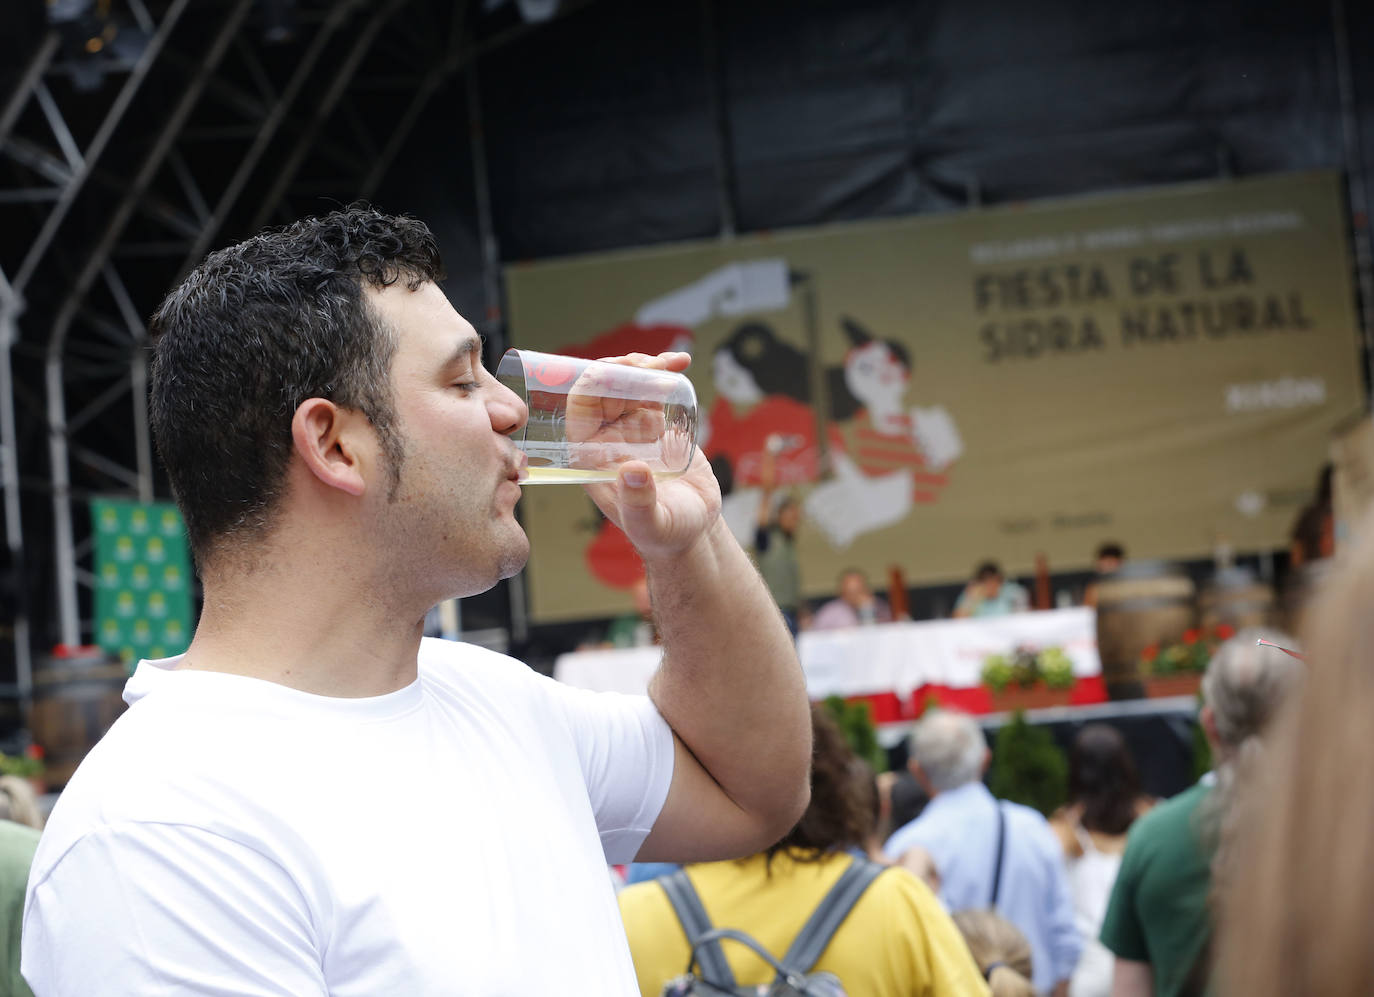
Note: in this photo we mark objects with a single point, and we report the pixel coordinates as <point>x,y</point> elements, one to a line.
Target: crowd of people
<point>343,463</point>
<point>1113,894</point>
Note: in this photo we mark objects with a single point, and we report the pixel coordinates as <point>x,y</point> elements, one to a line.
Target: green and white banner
<point>143,579</point>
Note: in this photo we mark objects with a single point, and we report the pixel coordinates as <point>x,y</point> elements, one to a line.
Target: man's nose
<point>508,411</point>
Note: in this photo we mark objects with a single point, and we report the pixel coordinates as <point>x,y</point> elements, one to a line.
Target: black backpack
<point>793,978</point>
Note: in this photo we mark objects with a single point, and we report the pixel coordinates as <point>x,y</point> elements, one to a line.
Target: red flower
<point>1190,636</point>
<point>34,751</point>
<point>1150,652</point>
<point>1225,631</point>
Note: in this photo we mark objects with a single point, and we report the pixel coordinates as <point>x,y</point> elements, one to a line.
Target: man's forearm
<point>730,684</point>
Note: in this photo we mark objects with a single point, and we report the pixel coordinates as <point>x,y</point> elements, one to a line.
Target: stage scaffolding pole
<point>92,153</point>
<point>9,481</point>
<point>69,622</point>
<point>33,73</point>
<point>267,131</point>
<point>138,382</point>
<point>306,138</point>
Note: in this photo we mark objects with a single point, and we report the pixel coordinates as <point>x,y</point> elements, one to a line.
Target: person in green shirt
<point>1158,921</point>
<point>17,845</point>
<point>1158,914</point>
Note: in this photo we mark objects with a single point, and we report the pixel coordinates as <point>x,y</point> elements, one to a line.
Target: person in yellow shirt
<point>896,942</point>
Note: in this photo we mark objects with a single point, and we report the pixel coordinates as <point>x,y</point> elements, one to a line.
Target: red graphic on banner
<point>612,559</point>
<point>878,453</point>
<point>741,438</point>
<point>553,373</point>
<point>631,338</point>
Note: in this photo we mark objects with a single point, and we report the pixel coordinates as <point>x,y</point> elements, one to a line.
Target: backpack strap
<point>697,925</point>
<point>1001,851</point>
<point>713,938</point>
<point>826,919</point>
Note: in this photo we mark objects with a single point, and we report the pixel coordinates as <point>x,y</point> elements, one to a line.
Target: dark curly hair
<point>842,797</point>
<point>253,332</point>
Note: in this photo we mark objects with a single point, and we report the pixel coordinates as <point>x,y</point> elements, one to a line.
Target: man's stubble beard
<point>431,536</point>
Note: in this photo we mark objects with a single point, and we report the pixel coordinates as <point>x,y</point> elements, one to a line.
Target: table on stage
<point>894,666</point>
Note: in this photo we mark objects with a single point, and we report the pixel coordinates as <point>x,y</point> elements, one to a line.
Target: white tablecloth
<point>893,657</point>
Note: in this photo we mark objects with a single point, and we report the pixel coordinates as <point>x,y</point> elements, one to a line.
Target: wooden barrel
<point>75,700</point>
<point>1237,598</point>
<point>1143,603</point>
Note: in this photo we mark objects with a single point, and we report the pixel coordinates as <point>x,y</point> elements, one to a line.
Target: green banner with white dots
<point>142,579</point>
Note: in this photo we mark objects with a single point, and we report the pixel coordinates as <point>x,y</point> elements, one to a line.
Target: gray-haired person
<point>989,853</point>
<point>1158,922</point>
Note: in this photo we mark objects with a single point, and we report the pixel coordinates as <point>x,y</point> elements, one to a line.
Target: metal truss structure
<point>203,131</point>
<point>134,140</point>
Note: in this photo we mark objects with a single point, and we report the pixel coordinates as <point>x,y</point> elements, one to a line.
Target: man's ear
<point>919,774</point>
<point>324,436</point>
<point>987,760</point>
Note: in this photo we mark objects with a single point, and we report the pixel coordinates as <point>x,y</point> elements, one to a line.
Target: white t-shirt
<point>234,836</point>
<point>1091,877</point>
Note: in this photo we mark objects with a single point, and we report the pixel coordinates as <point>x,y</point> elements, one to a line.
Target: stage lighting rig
<point>96,39</point>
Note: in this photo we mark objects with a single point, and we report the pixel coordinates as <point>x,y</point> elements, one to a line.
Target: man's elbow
<point>776,821</point>
<point>777,790</point>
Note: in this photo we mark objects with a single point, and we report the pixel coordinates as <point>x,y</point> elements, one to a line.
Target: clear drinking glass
<point>587,417</point>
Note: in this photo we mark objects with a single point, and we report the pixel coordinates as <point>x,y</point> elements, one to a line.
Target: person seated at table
<point>989,594</point>
<point>855,606</point>
<point>1110,557</point>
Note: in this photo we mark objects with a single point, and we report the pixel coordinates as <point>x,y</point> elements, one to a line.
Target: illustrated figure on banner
<point>668,322</point>
<point>762,391</point>
<point>763,405</point>
<point>884,456</point>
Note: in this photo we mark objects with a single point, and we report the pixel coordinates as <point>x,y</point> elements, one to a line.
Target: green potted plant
<point>855,721</point>
<point>1027,679</point>
<point>1176,669</point>
<point>997,672</point>
<point>1028,767</point>
<point>1056,668</point>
